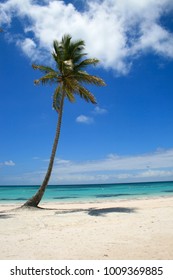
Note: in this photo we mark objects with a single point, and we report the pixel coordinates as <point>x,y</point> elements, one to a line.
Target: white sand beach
<point>124,229</point>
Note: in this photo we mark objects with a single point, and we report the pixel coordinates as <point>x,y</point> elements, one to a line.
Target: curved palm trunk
<point>35,200</point>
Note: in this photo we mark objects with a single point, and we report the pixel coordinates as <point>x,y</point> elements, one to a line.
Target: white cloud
<point>28,46</point>
<point>35,158</point>
<point>84,119</point>
<point>7,163</point>
<point>114,168</point>
<point>156,166</point>
<point>156,38</point>
<point>156,160</point>
<point>99,111</point>
<point>115,31</point>
<point>89,120</point>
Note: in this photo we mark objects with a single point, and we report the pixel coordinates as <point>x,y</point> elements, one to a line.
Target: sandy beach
<point>124,229</point>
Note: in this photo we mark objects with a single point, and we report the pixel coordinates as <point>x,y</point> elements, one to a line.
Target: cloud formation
<point>84,119</point>
<point>99,111</point>
<point>115,31</point>
<point>157,166</point>
<point>7,163</point>
<point>146,167</point>
<point>156,160</point>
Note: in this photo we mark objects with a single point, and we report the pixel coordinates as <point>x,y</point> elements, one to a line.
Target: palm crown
<point>69,74</point>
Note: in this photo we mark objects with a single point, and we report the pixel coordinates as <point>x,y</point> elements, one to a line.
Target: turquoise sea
<point>85,193</point>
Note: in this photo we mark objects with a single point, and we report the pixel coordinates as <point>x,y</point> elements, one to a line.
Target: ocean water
<point>86,193</point>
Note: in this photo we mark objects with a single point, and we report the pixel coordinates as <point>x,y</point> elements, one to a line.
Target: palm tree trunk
<point>35,200</point>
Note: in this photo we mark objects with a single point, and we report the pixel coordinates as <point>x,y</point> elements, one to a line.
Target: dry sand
<point>125,229</point>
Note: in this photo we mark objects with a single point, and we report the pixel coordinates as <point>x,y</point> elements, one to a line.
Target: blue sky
<point>127,136</point>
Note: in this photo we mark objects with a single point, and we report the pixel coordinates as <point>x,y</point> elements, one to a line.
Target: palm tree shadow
<point>99,212</point>
<point>104,211</point>
<point>5,216</point>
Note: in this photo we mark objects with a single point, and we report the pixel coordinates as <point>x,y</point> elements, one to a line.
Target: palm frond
<point>57,98</point>
<point>58,54</point>
<point>70,95</point>
<point>72,49</point>
<point>58,49</point>
<point>76,47</point>
<point>42,68</point>
<point>49,78</point>
<point>65,43</point>
<point>70,65</point>
<point>70,85</point>
<point>84,77</point>
<point>87,95</point>
<point>86,62</point>
<point>76,51</point>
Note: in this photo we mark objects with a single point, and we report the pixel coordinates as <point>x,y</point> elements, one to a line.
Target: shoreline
<point>84,201</point>
<point>104,230</point>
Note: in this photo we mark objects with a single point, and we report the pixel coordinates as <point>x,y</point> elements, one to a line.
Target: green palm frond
<point>69,74</point>
<point>70,95</point>
<point>57,98</point>
<point>84,77</point>
<point>70,85</point>
<point>58,54</point>
<point>66,47</point>
<point>42,68</point>
<point>68,50</point>
<point>86,62</point>
<point>49,78</point>
<point>76,49</point>
<point>87,95</point>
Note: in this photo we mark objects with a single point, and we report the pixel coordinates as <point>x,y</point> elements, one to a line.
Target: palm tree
<point>69,76</point>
